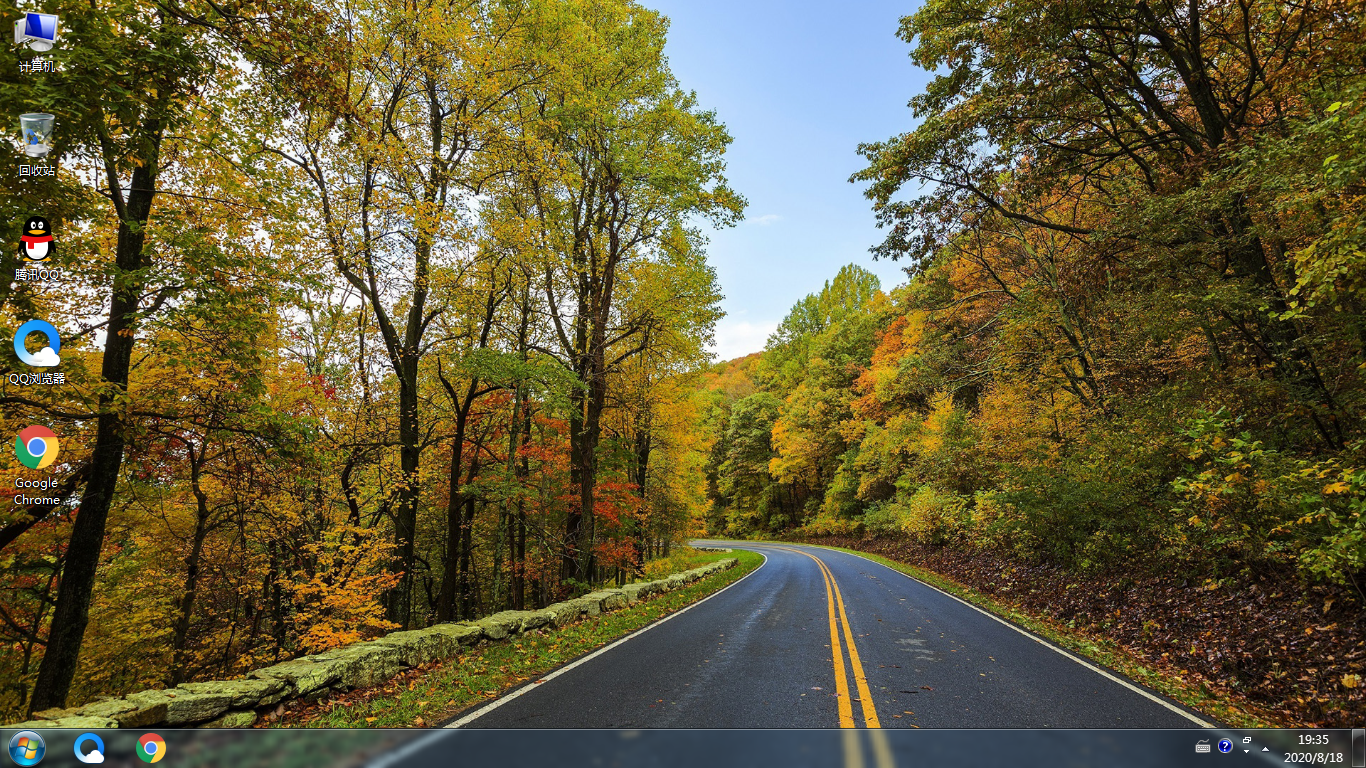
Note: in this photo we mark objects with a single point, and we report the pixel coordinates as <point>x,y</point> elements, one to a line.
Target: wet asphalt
<point>758,655</point>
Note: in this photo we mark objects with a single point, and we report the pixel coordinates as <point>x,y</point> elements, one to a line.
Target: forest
<point>376,315</point>
<point>1132,344</point>
<point>373,316</point>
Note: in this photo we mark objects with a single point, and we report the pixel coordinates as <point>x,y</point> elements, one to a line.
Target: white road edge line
<point>403,752</point>
<point>1040,641</point>
<point>500,701</point>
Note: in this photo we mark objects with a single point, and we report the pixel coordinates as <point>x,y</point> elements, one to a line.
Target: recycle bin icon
<point>36,128</point>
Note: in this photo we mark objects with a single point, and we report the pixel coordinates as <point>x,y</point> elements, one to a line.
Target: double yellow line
<point>834,600</point>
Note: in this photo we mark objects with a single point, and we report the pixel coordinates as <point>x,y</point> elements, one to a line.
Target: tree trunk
<point>643,446</point>
<point>450,576</point>
<point>72,611</point>
<point>181,662</point>
<point>468,600</point>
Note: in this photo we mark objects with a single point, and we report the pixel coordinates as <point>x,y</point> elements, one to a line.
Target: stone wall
<point>237,703</point>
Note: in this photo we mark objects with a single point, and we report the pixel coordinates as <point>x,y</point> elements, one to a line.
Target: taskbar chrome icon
<point>151,748</point>
<point>26,748</point>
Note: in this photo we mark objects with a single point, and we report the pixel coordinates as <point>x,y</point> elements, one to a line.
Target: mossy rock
<point>535,619</point>
<point>82,722</point>
<point>187,707</point>
<point>233,720</point>
<point>422,646</point>
<point>303,676</point>
<point>363,664</point>
<point>250,692</point>
<point>464,633</point>
<point>149,709</point>
<point>110,708</point>
<point>565,612</point>
<point>500,625</point>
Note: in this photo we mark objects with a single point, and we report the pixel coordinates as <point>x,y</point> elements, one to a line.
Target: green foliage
<point>420,295</point>
<point>1245,503</point>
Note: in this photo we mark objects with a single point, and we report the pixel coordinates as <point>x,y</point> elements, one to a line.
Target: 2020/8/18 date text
<point>1321,758</point>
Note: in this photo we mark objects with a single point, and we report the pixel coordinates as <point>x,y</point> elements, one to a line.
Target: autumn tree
<point>623,159</point>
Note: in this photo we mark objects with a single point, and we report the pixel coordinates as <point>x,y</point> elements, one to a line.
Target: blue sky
<point>799,84</point>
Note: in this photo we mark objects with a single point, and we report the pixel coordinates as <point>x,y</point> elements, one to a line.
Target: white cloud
<point>766,219</point>
<point>737,338</point>
<point>45,358</point>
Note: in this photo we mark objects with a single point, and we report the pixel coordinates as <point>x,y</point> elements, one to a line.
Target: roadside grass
<point>681,559</point>
<point>1099,649</point>
<point>439,692</point>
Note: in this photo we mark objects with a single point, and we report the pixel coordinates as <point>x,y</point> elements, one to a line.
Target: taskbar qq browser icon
<point>94,744</point>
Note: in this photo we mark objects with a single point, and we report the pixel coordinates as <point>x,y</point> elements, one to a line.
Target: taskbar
<point>685,748</point>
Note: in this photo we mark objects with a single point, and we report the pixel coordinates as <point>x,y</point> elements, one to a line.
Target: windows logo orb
<point>151,748</point>
<point>26,748</point>
<point>36,447</point>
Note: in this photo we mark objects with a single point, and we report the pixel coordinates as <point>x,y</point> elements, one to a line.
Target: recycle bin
<point>36,128</point>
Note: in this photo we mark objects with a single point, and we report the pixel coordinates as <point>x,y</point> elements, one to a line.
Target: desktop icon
<point>151,748</point>
<point>45,357</point>
<point>93,746</point>
<point>36,30</point>
<point>36,447</point>
<point>35,242</point>
<point>26,748</point>
<point>36,130</point>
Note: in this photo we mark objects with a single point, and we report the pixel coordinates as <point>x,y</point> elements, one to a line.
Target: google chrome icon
<point>36,447</point>
<point>151,748</point>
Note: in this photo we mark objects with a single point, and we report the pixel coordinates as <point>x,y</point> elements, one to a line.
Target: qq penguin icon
<point>35,242</point>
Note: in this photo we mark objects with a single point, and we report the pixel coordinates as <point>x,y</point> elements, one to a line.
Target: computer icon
<point>36,30</point>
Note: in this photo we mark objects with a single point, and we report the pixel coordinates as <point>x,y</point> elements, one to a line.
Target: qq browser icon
<point>151,748</point>
<point>89,748</point>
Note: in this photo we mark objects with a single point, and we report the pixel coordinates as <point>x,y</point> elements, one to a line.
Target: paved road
<point>759,655</point>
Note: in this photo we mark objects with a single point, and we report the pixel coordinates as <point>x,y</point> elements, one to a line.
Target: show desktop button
<point>89,748</point>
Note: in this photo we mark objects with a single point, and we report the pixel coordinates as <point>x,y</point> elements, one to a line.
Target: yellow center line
<point>853,751</point>
<point>833,598</point>
<point>882,749</point>
<point>846,707</point>
<point>865,695</point>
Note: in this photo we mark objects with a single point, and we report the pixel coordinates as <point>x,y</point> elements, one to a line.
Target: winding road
<point>818,638</point>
